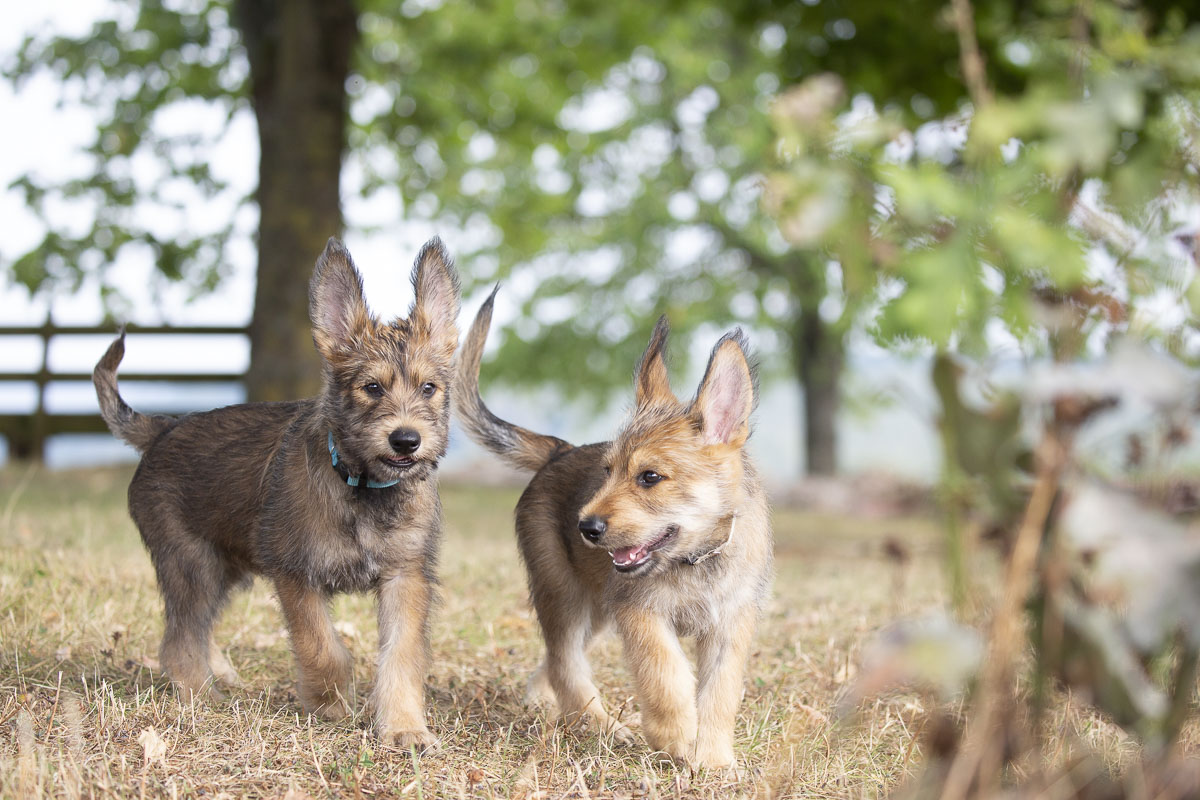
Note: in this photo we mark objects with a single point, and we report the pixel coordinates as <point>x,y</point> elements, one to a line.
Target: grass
<point>84,711</point>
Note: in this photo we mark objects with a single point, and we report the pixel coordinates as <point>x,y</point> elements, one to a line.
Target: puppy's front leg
<point>399,695</point>
<point>721,654</point>
<point>325,665</point>
<point>664,681</point>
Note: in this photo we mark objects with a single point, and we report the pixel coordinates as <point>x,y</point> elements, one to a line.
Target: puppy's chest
<point>361,547</point>
<point>697,601</point>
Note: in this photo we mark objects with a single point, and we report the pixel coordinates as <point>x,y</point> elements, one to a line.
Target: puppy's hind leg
<point>194,586</point>
<point>722,655</point>
<point>567,630</point>
<point>222,670</point>
<point>538,691</point>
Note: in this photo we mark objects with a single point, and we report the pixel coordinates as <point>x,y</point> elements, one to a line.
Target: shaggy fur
<point>663,532</point>
<point>251,489</point>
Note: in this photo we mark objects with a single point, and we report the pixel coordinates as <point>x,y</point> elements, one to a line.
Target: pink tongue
<point>628,555</point>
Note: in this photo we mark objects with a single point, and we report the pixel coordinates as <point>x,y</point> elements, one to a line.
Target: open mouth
<point>400,462</point>
<point>628,559</point>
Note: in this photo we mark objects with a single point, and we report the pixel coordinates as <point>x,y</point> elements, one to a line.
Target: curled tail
<point>516,445</point>
<point>140,430</point>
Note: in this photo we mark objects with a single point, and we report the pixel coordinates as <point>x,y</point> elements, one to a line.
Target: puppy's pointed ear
<point>651,382</point>
<point>435,308</point>
<point>335,301</point>
<point>725,398</point>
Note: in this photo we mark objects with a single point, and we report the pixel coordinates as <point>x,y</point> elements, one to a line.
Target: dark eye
<point>373,389</point>
<point>428,389</point>
<point>648,478</point>
<point>607,470</point>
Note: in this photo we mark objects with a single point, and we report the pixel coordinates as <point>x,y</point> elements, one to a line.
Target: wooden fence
<point>27,432</point>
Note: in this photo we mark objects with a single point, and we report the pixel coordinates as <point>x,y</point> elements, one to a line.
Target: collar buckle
<point>344,472</point>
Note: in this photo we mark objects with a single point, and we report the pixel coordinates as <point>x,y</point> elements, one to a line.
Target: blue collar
<point>354,480</point>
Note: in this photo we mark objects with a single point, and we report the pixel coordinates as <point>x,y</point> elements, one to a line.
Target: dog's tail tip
<point>516,445</point>
<point>106,368</point>
<point>140,430</point>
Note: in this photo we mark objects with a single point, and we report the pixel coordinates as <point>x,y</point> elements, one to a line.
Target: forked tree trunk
<point>819,356</point>
<point>299,53</point>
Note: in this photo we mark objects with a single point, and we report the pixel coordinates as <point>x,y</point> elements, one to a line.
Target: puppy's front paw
<point>229,679</point>
<point>333,711</point>
<point>419,738</point>
<point>539,693</point>
<point>711,755</point>
<point>328,705</point>
<point>677,751</point>
<point>205,692</point>
<point>621,734</point>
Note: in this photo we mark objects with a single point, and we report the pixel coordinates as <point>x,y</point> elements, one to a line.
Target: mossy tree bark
<point>299,53</point>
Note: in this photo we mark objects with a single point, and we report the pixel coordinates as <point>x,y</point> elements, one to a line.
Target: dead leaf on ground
<point>153,748</point>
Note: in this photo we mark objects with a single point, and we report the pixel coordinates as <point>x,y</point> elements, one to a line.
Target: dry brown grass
<point>85,712</point>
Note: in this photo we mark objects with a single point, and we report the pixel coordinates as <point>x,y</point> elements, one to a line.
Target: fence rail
<point>27,433</point>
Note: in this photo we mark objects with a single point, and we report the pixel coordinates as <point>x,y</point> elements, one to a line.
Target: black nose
<point>592,528</point>
<point>405,441</point>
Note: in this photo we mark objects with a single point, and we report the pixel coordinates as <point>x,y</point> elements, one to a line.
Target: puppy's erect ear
<point>335,301</point>
<point>651,383</point>
<point>726,395</point>
<point>435,308</point>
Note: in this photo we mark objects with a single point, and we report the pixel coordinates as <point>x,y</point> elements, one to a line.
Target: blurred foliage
<point>579,146</point>
<point>1036,220</point>
<point>1101,580</point>
<point>1102,562</point>
<point>1030,234</point>
<point>605,156</point>
<point>1004,210</point>
<point>614,161</point>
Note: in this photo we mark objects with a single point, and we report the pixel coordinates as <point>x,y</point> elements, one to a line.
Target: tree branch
<point>980,757</point>
<point>969,56</point>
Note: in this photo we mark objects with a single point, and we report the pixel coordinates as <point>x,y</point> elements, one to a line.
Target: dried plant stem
<point>979,759</point>
<point>968,54</point>
<point>1182,692</point>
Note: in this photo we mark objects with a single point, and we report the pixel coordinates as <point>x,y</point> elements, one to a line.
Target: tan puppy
<point>663,532</point>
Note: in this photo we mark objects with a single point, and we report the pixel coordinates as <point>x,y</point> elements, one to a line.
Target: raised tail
<point>140,430</point>
<point>516,445</point>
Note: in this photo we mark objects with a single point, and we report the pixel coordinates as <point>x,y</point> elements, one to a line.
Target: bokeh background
<point>182,163</point>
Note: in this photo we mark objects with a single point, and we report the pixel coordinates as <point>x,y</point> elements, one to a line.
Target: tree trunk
<point>820,356</point>
<point>299,53</point>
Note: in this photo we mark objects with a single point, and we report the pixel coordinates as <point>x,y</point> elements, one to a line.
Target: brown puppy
<point>663,532</point>
<point>333,494</point>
